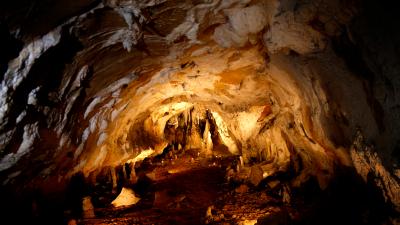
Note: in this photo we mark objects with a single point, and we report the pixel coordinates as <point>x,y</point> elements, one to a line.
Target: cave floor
<point>190,190</point>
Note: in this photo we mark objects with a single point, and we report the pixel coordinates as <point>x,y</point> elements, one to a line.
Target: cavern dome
<point>199,112</point>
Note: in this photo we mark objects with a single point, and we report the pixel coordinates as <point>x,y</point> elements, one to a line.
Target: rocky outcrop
<point>371,169</point>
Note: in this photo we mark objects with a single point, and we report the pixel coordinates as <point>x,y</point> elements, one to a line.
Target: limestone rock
<point>242,189</point>
<point>125,198</point>
<point>286,33</point>
<point>72,222</point>
<point>274,86</point>
<point>248,222</point>
<point>242,23</point>
<point>256,175</point>
<point>369,166</point>
<point>87,207</point>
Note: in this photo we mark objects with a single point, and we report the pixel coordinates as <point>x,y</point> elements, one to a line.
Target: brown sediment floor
<point>188,189</point>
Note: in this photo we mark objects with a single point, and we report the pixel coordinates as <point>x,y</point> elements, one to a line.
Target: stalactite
<point>125,175</point>
<point>132,176</point>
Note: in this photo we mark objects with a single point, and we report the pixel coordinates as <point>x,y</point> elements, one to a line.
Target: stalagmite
<point>207,141</point>
<point>87,208</point>
<point>114,179</point>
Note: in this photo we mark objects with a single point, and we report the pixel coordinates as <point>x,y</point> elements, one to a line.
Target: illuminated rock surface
<point>125,198</point>
<point>225,111</point>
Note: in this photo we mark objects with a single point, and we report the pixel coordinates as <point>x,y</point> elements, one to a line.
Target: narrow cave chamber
<point>199,112</point>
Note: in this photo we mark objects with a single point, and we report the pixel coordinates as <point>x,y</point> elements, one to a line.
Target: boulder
<point>126,198</point>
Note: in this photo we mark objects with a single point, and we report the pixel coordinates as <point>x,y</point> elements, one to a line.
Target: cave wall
<point>88,88</point>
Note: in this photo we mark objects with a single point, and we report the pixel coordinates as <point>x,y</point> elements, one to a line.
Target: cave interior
<point>199,112</point>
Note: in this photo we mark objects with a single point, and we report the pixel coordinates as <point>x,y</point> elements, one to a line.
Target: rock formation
<point>291,92</point>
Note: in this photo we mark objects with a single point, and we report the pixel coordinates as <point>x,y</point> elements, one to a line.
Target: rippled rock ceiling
<point>306,88</point>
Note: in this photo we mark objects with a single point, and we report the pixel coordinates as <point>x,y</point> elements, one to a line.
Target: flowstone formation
<point>197,111</point>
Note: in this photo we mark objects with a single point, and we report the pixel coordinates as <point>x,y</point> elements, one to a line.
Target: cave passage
<point>199,112</point>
